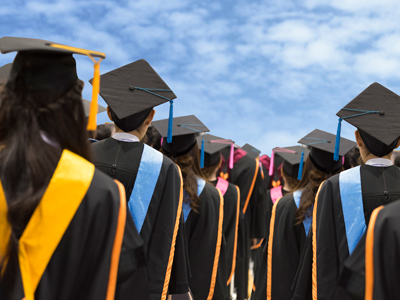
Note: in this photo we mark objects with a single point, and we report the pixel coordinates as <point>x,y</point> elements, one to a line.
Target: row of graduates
<point>116,219</point>
<point>328,236</point>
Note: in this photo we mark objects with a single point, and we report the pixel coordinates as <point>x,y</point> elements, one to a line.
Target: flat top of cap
<point>213,144</point>
<point>326,141</point>
<point>251,151</point>
<point>384,126</point>
<point>86,107</point>
<point>119,89</point>
<point>11,44</point>
<point>5,71</point>
<point>290,157</point>
<point>180,126</point>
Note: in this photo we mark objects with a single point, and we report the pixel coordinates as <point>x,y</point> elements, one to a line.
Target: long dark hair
<point>27,161</point>
<point>190,168</point>
<point>309,184</point>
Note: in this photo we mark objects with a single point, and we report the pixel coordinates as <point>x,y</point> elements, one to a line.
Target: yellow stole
<point>50,220</point>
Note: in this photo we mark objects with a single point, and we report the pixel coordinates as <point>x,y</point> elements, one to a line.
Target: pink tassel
<point>271,164</point>
<point>162,139</point>
<point>231,157</point>
<point>343,160</point>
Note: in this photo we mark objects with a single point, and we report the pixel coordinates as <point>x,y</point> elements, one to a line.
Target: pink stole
<point>276,193</point>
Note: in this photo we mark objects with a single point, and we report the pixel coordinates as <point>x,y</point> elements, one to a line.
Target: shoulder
<point>103,190</point>
<point>210,195</point>
<point>286,201</point>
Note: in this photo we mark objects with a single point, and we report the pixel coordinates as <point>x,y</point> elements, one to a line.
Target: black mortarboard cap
<point>213,145</point>
<point>322,148</point>
<point>251,151</point>
<point>292,157</point>
<point>185,130</point>
<point>376,113</point>
<point>132,91</point>
<point>42,65</point>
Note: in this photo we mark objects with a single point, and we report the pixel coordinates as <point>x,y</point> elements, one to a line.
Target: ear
<point>360,142</point>
<point>149,118</point>
<point>109,113</point>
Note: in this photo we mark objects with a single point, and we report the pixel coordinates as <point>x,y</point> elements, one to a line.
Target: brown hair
<point>309,184</point>
<point>291,181</point>
<point>190,168</point>
<point>27,162</point>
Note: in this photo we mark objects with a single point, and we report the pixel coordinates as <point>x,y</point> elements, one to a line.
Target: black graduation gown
<point>204,230</point>
<point>79,268</point>
<point>260,254</point>
<point>386,260</point>
<point>121,161</point>
<point>230,227</point>
<point>380,186</point>
<point>246,175</point>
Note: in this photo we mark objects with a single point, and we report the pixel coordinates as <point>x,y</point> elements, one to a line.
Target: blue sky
<point>258,72</point>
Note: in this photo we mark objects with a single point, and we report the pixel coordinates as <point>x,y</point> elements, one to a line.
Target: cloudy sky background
<point>259,72</point>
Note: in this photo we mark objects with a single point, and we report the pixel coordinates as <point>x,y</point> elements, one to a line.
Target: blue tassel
<point>170,121</point>
<point>202,154</point>
<point>337,144</point>
<point>300,174</point>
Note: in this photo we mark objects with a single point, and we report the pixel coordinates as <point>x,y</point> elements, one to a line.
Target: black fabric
<point>180,126</point>
<point>76,274</point>
<point>252,223</point>
<point>379,187</point>
<point>121,160</point>
<point>386,260</point>
<point>231,207</point>
<point>180,145</point>
<point>131,122</point>
<point>384,125</point>
<point>202,233</point>
<point>375,146</point>
<point>289,240</point>
<point>324,161</point>
<point>42,71</point>
<point>119,89</point>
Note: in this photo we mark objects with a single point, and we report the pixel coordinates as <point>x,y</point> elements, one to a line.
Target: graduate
<point>243,170</point>
<point>345,202</point>
<point>64,230</point>
<point>213,146</point>
<point>152,182</point>
<point>372,271</point>
<point>203,209</point>
<point>291,160</point>
<point>291,214</point>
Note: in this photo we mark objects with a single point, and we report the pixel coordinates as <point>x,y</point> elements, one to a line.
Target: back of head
<point>103,131</point>
<point>37,121</point>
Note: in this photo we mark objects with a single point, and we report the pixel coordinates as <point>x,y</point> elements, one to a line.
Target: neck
<point>369,156</point>
<point>286,187</point>
<point>213,176</point>
<point>135,132</point>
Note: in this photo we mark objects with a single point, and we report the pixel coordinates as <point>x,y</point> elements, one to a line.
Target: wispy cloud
<point>260,72</point>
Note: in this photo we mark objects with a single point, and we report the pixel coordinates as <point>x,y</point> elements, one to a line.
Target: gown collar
<point>379,162</point>
<point>125,137</point>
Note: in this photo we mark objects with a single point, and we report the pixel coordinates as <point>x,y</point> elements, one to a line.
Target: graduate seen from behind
<point>152,182</point>
<point>203,209</point>
<point>291,156</point>
<point>345,202</point>
<point>213,146</point>
<point>292,214</point>
<point>63,224</point>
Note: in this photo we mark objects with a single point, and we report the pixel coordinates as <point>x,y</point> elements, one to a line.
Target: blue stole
<point>352,206</point>
<point>308,219</point>
<point>201,183</point>
<point>145,183</point>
